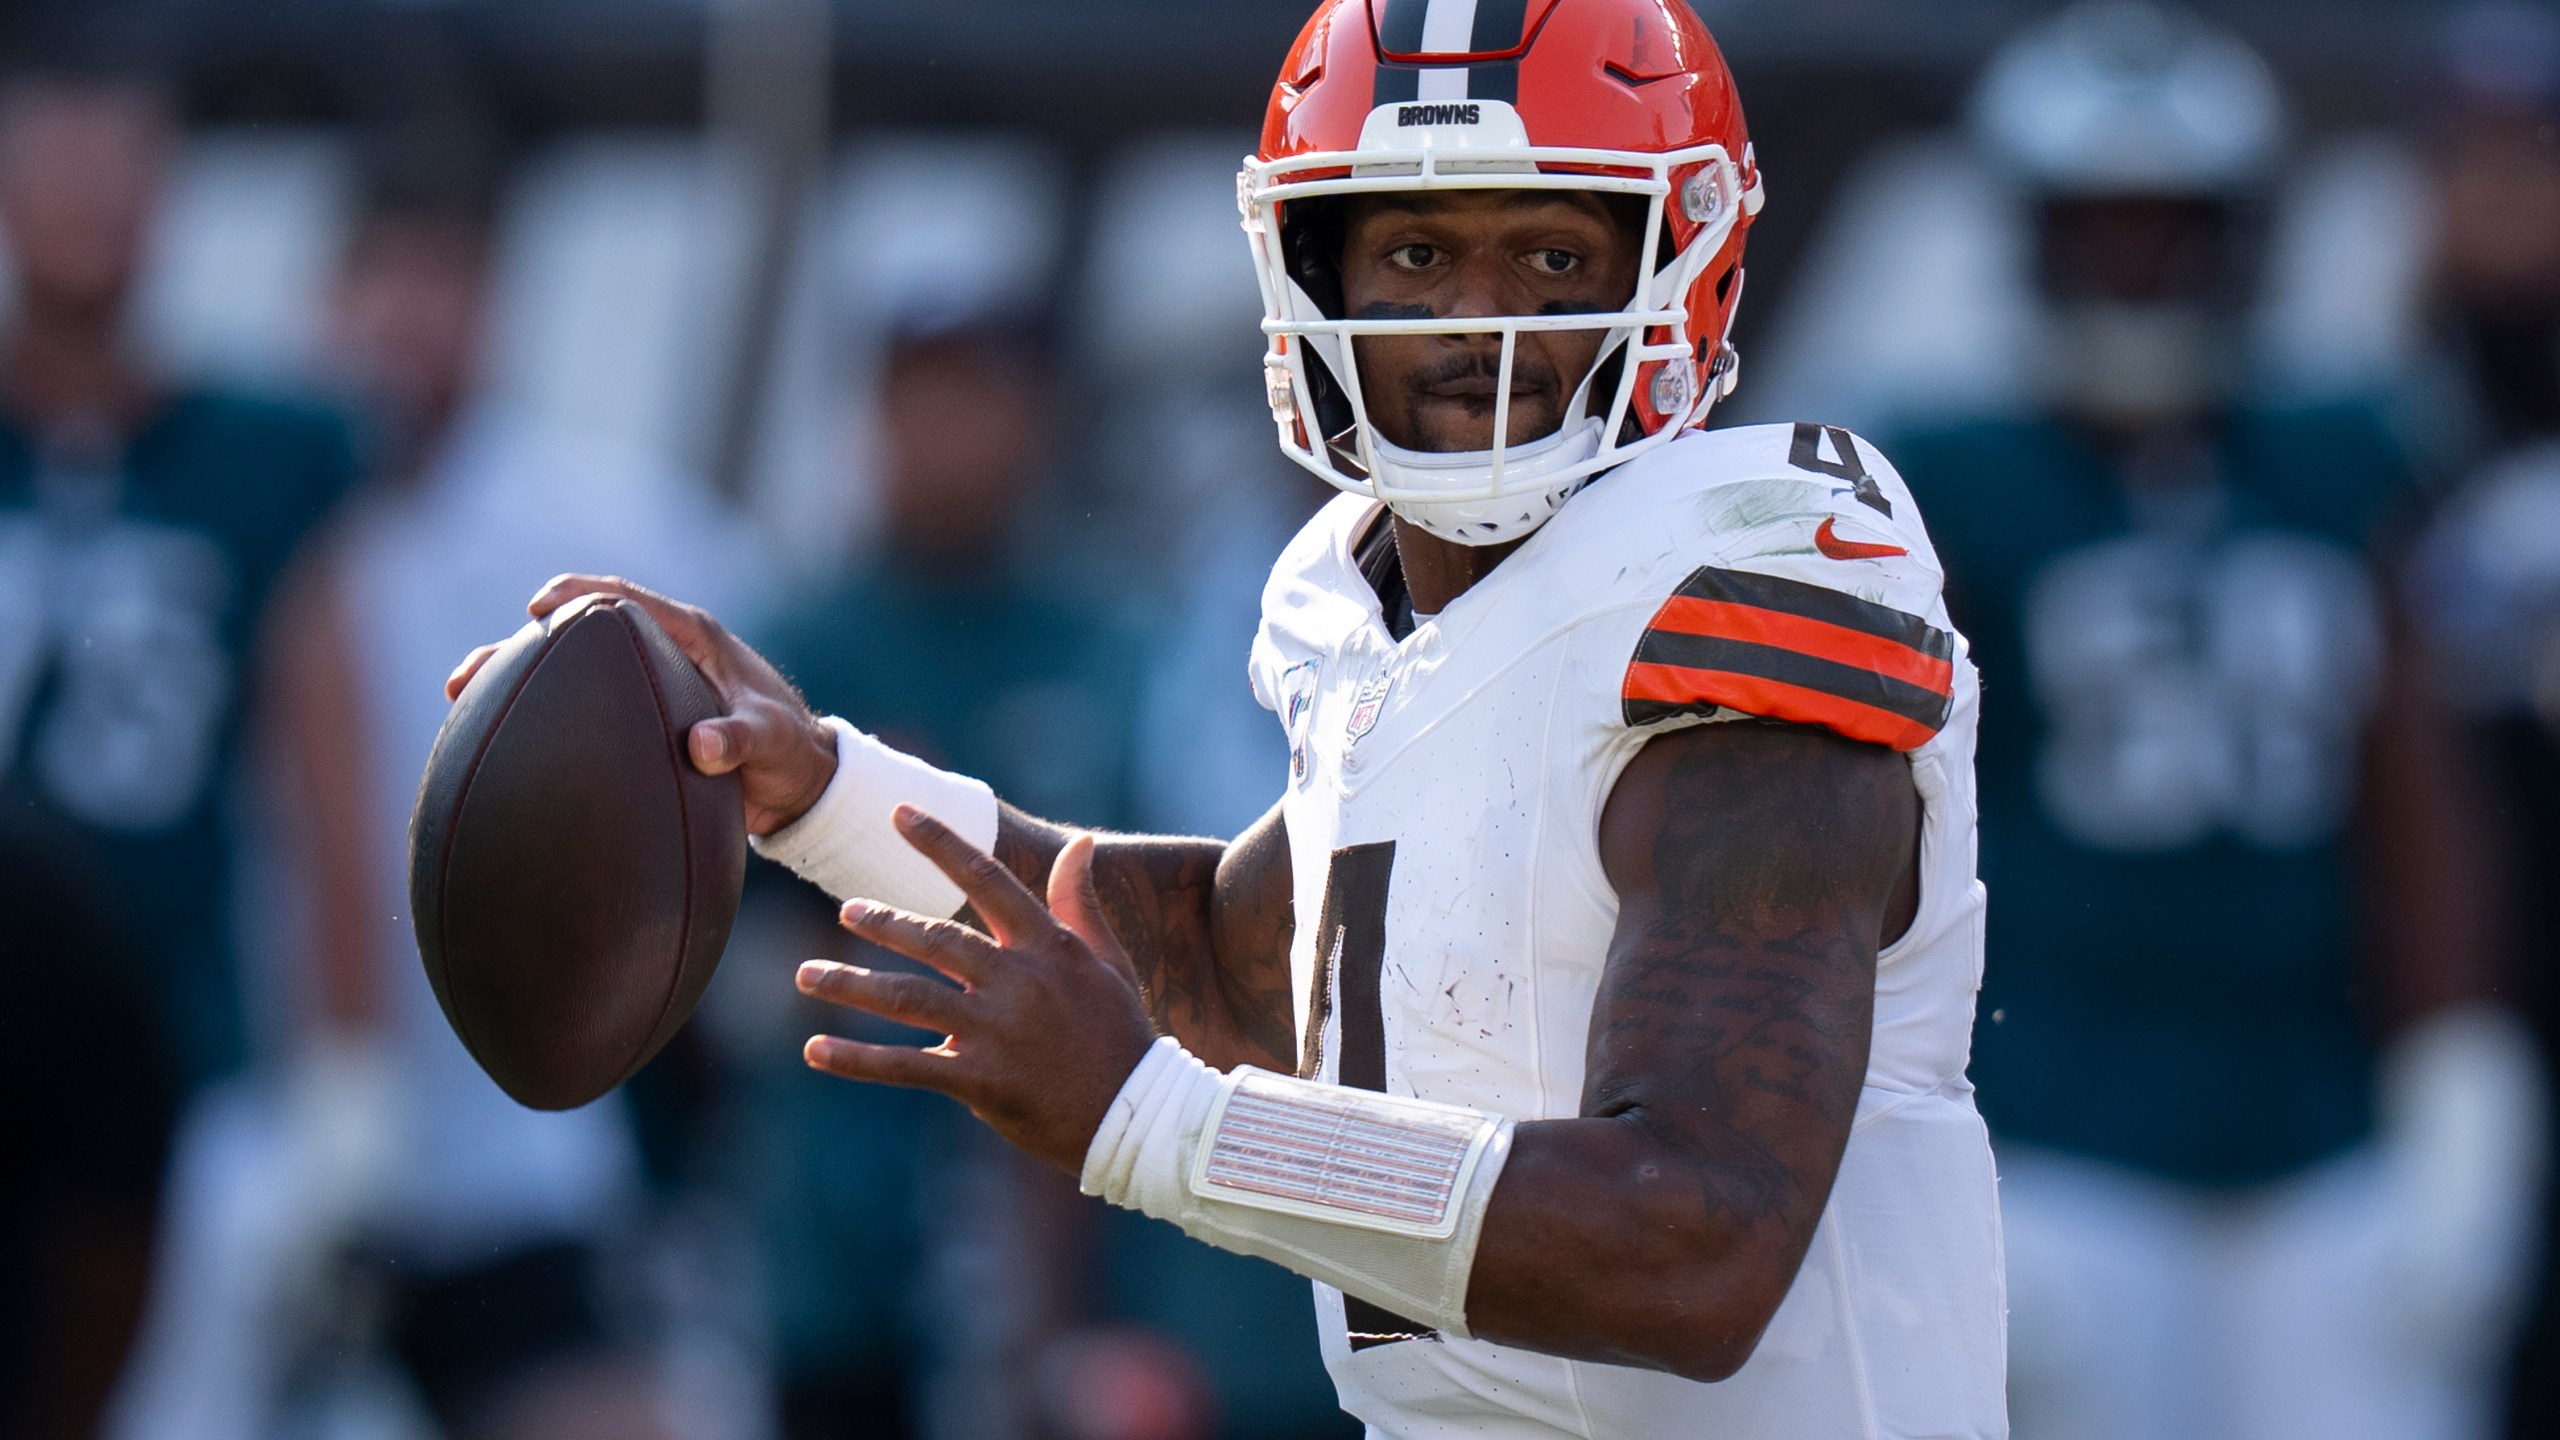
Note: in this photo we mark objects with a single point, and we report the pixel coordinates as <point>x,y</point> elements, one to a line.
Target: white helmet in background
<point>2125,97</point>
<point>2145,139</point>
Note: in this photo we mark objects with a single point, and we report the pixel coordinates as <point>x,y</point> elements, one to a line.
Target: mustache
<point>1529,370</point>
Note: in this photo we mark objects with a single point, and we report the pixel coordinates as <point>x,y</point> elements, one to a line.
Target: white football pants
<point>2143,1310</point>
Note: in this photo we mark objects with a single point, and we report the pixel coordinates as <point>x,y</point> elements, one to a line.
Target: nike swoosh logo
<point>1828,541</point>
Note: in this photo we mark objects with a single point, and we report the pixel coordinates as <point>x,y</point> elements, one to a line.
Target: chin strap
<point>1526,503</point>
<point>1502,518</point>
<point>1576,441</point>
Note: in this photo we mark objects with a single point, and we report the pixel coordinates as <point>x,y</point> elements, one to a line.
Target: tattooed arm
<point>1207,925</point>
<point>1759,869</point>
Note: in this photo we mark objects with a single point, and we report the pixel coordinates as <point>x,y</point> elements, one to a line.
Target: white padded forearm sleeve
<point>1379,1196</point>
<point>846,846</point>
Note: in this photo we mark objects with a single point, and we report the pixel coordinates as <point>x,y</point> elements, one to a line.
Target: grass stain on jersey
<point>1774,509</point>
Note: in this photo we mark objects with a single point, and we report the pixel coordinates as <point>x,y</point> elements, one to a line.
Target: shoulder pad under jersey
<point>1315,592</point>
<point>1786,574</point>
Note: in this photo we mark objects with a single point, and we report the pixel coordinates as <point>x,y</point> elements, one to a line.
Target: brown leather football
<point>572,875</point>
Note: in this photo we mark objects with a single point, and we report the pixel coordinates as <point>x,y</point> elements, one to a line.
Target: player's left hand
<point>1047,1022</point>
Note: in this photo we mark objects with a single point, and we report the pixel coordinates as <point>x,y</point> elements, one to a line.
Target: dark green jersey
<point>2177,680</point>
<point>130,592</point>
<point>986,675</point>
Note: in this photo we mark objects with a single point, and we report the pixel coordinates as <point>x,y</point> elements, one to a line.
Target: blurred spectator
<point>482,1205</point>
<point>85,1136</point>
<point>2485,582</point>
<point>2225,828</point>
<point>142,529</point>
<point>1169,356</point>
<point>2496,169</point>
<point>954,643</point>
<point>1180,444</point>
<point>141,532</point>
<point>478,1233</point>
<point>1210,762</point>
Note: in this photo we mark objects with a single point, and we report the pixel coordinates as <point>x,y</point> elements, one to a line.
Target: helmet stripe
<point>1449,28</point>
<point>1445,82</point>
<point>1496,27</point>
<point>1401,24</point>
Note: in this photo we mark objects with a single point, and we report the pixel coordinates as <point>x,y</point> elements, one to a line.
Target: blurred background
<point>2222,347</point>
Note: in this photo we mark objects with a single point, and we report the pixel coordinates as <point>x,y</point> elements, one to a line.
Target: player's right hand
<point>782,755</point>
<point>1047,1021</point>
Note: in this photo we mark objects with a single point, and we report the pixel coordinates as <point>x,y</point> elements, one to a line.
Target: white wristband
<point>846,846</point>
<point>1380,1196</point>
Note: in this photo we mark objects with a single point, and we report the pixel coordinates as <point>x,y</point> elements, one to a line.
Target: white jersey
<point>1443,815</point>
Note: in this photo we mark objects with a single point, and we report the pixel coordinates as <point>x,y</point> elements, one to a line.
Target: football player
<point>1590,1016</point>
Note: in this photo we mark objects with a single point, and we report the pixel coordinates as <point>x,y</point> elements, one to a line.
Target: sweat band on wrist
<point>1380,1196</point>
<point>846,846</point>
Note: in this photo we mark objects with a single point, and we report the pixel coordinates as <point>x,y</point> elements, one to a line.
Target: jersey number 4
<point>1806,454</point>
<point>1352,932</point>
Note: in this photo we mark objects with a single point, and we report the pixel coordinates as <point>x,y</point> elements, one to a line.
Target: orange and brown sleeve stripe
<point>1791,651</point>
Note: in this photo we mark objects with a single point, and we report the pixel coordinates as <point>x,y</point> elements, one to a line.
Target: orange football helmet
<point>1626,97</point>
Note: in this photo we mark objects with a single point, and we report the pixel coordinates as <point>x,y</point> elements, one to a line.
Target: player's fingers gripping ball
<point>763,732</point>
<point>1042,1022</point>
<point>572,877</point>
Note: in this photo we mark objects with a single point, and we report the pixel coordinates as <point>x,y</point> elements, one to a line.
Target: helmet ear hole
<point>1605,378</point>
<point>1311,238</point>
<point>1327,398</point>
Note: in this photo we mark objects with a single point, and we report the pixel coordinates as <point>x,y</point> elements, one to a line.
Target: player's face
<point>79,169</point>
<point>1467,254</point>
<point>407,319</point>
<point>2136,250</point>
<point>2498,216</point>
<point>968,426</point>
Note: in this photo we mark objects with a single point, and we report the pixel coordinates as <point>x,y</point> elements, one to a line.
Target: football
<point>572,875</point>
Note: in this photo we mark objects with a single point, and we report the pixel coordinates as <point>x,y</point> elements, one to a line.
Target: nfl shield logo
<point>1365,706</point>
